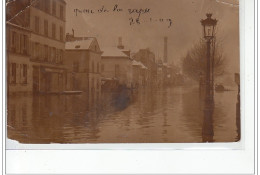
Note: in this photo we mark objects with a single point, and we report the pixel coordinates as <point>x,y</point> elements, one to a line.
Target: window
<point>93,67</point>
<point>54,7</point>
<point>102,67</point>
<point>61,33</point>
<point>45,27</point>
<point>61,56</point>
<point>116,70</point>
<point>32,49</point>
<point>13,73</point>
<point>13,38</point>
<point>61,12</point>
<point>37,50</point>
<point>37,24</point>
<point>21,43</point>
<point>47,6</point>
<point>49,54</point>
<point>57,60</point>
<point>41,52</point>
<point>24,74</point>
<point>26,44</point>
<point>17,43</point>
<point>93,84</point>
<point>97,85</point>
<point>97,67</point>
<point>53,31</point>
<point>75,66</point>
<point>46,54</point>
<point>53,55</point>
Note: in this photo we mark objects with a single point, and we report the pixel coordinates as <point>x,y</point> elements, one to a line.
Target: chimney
<point>165,59</point>
<point>120,43</point>
<point>73,32</point>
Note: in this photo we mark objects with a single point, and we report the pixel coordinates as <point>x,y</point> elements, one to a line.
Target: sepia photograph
<point>113,71</point>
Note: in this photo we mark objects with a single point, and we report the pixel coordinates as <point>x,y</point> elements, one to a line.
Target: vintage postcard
<point>133,71</point>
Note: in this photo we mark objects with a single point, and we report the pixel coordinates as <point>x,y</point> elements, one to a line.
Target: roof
<point>79,44</point>
<point>137,63</point>
<point>17,26</point>
<point>143,66</point>
<point>113,52</point>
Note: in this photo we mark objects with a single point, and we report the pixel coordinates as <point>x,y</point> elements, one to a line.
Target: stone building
<point>18,59</point>
<point>83,60</point>
<point>139,74</point>
<point>18,34</point>
<point>115,64</point>
<point>35,46</point>
<point>147,58</point>
<point>47,22</point>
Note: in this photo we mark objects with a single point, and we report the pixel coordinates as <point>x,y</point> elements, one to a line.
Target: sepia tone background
<point>97,78</point>
<point>184,33</point>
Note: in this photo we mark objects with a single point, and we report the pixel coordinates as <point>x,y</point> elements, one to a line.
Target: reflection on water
<point>164,115</point>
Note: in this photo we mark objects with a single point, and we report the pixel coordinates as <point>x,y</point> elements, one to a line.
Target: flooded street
<point>168,115</point>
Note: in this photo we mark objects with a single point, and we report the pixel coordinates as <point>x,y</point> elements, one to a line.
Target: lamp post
<point>208,26</point>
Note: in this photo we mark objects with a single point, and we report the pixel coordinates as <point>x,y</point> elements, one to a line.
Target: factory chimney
<point>120,43</point>
<point>165,59</point>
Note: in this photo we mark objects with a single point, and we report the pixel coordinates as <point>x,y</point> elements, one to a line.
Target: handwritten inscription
<point>159,20</point>
<point>137,15</point>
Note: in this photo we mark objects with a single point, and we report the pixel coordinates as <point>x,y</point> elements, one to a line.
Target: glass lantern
<point>209,25</point>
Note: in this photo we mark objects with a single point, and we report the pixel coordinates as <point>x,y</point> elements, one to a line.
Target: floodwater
<point>167,115</point>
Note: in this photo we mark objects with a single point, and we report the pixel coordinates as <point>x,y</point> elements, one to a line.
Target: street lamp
<point>208,26</point>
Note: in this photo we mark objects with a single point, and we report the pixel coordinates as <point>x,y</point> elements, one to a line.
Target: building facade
<point>115,64</point>
<point>35,46</point>
<point>47,46</point>
<point>83,60</point>
<point>18,34</point>
<point>147,58</point>
<point>139,74</point>
<point>19,69</point>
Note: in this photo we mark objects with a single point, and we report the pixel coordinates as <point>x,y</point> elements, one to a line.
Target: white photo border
<point>131,160</point>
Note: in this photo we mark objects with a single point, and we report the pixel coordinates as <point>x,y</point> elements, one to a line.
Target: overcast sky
<point>185,31</point>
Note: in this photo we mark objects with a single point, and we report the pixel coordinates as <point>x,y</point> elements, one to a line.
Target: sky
<point>184,32</point>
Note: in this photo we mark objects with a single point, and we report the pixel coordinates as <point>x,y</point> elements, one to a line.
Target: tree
<point>194,63</point>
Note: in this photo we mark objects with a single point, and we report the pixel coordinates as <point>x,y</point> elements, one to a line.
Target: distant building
<point>147,58</point>
<point>83,60</point>
<point>139,74</point>
<point>160,73</point>
<point>116,65</point>
<point>166,74</point>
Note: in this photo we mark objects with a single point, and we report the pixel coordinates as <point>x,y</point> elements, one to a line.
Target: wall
<point>77,78</point>
<point>94,77</point>
<point>19,86</point>
<point>125,69</point>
